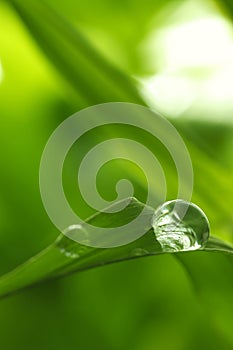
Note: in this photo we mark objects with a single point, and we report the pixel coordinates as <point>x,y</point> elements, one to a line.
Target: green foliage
<point>142,304</point>
<point>66,256</point>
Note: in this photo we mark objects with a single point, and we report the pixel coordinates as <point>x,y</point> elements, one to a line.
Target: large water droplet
<point>180,226</point>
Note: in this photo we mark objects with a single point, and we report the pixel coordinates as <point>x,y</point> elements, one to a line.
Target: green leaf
<point>66,256</point>
<point>98,81</point>
<point>227,6</point>
<point>95,79</point>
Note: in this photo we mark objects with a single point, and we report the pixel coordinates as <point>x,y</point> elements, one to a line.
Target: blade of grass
<point>227,6</point>
<point>96,79</point>
<point>66,256</point>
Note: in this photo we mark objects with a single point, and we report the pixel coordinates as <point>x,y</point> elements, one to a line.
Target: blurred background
<point>57,57</point>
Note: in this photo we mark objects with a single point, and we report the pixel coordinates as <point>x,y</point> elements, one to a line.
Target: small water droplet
<point>139,252</point>
<point>69,254</point>
<point>67,243</point>
<point>180,226</point>
<point>77,233</point>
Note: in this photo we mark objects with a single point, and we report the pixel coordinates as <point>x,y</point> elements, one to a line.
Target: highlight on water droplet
<point>77,233</point>
<point>139,252</point>
<point>180,226</point>
<point>66,244</point>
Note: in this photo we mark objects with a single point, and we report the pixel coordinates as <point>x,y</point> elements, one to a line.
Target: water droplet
<point>139,252</point>
<point>69,254</point>
<point>77,233</point>
<point>180,226</point>
<point>67,242</point>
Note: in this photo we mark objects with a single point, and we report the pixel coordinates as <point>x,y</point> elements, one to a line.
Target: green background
<point>163,302</point>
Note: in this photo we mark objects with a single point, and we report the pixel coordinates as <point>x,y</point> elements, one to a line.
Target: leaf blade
<point>66,256</point>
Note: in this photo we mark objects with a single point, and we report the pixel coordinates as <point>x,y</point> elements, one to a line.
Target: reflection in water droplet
<point>180,226</point>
